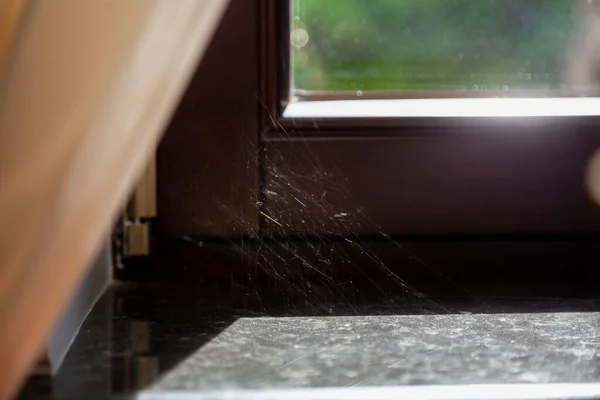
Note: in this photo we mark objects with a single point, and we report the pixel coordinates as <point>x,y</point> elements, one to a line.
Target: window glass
<point>501,46</point>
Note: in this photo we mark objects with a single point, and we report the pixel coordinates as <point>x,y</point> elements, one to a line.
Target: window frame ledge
<point>442,108</point>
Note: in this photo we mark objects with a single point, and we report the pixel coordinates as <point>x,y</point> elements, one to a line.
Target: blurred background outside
<point>433,45</point>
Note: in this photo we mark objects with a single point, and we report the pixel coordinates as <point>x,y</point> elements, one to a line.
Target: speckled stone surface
<point>395,350</point>
<point>165,342</point>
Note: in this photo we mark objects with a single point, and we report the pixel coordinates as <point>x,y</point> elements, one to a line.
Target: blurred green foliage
<point>432,44</point>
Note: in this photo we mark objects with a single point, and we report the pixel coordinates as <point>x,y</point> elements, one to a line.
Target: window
<point>427,48</point>
<point>321,159</point>
<point>387,109</point>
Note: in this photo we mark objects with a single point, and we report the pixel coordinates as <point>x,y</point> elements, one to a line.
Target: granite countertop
<point>253,353</point>
<point>158,341</point>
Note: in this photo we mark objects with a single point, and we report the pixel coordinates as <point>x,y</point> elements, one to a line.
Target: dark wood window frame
<point>230,164</point>
<point>437,176</point>
<point>231,168</point>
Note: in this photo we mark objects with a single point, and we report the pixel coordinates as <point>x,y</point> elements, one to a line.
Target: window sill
<point>443,108</point>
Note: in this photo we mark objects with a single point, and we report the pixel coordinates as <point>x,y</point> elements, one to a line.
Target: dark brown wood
<point>294,271</point>
<point>340,128</point>
<point>275,57</point>
<point>509,178</point>
<point>207,162</point>
<point>231,166</point>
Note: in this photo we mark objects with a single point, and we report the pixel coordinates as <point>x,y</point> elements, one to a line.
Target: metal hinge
<point>132,236</point>
<point>137,239</point>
